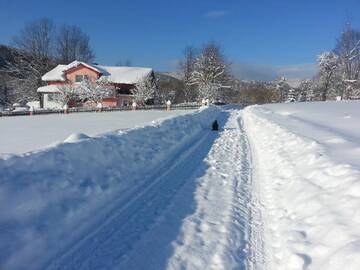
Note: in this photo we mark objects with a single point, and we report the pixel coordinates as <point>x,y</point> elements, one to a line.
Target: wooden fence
<point>104,109</point>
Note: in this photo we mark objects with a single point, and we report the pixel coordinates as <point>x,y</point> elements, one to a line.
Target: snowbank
<point>309,186</point>
<point>49,198</point>
<point>20,134</point>
<point>333,125</point>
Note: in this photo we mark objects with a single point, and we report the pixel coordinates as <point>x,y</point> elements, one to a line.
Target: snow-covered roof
<point>48,89</point>
<point>114,74</point>
<point>55,74</point>
<point>127,75</point>
<point>78,63</point>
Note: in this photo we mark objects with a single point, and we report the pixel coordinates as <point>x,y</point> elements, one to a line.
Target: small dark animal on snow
<point>215,125</point>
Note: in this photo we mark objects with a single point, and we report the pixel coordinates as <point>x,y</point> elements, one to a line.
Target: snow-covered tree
<point>209,91</point>
<point>22,75</point>
<point>351,89</point>
<point>291,97</point>
<point>95,91</point>
<point>210,72</point>
<point>66,93</point>
<point>348,49</point>
<point>328,63</point>
<point>144,90</point>
<point>305,90</point>
<point>340,70</point>
<point>87,91</point>
<point>281,88</point>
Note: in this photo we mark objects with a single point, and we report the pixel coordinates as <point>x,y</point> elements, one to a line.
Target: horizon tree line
<point>338,73</point>
<point>205,71</point>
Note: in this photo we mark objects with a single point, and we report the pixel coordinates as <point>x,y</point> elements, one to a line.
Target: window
<point>123,91</point>
<point>52,97</point>
<point>80,78</point>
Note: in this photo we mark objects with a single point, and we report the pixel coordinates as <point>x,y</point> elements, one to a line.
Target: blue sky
<point>262,38</point>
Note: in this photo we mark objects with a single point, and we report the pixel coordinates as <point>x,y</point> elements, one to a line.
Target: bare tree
<point>187,67</point>
<point>25,66</point>
<point>36,38</point>
<point>3,92</point>
<point>348,50</point>
<point>23,75</point>
<point>73,44</point>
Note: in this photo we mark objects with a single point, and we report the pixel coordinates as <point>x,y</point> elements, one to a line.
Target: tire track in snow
<point>207,192</point>
<point>106,246</point>
<point>256,249</point>
<point>225,231</point>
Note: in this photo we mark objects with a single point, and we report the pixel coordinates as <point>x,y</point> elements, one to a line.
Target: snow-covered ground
<point>20,134</point>
<point>278,187</point>
<point>306,163</point>
<point>51,200</point>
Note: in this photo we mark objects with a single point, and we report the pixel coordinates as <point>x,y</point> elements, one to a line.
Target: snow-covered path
<point>194,215</point>
<point>216,235</point>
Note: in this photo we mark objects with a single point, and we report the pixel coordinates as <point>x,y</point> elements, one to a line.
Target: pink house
<point>121,79</point>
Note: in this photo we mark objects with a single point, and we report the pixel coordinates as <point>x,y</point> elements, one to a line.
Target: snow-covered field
<point>306,160</point>
<point>278,187</point>
<point>20,134</point>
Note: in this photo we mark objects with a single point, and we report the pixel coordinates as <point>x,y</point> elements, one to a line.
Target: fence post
<point>99,107</point>
<point>31,110</point>
<point>168,105</point>
<point>66,109</point>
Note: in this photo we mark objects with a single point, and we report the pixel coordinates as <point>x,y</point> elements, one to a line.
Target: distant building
<point>121,79</point>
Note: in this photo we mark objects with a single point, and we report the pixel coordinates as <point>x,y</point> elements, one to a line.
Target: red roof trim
<point>83,66</point>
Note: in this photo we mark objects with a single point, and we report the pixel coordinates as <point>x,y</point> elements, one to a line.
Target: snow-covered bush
<point>328,63</point>
<point>66,93</point>
<point>95,91</point>
<point>144,91</point>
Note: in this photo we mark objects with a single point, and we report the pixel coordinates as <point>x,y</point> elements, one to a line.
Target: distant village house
<point>120,79</point>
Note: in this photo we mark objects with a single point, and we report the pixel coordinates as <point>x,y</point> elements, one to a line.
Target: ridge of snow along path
<point>215,234</point>
<point>194,215</point>
<point>132,199</point>
<point>21,134</point>
<point>306,167</point>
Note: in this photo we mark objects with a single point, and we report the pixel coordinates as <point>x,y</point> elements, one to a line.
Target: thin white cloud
<point>302,71</point>
<point>216,14</point>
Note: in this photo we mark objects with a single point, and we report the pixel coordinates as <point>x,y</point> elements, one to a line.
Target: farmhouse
<point>121,81</point>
